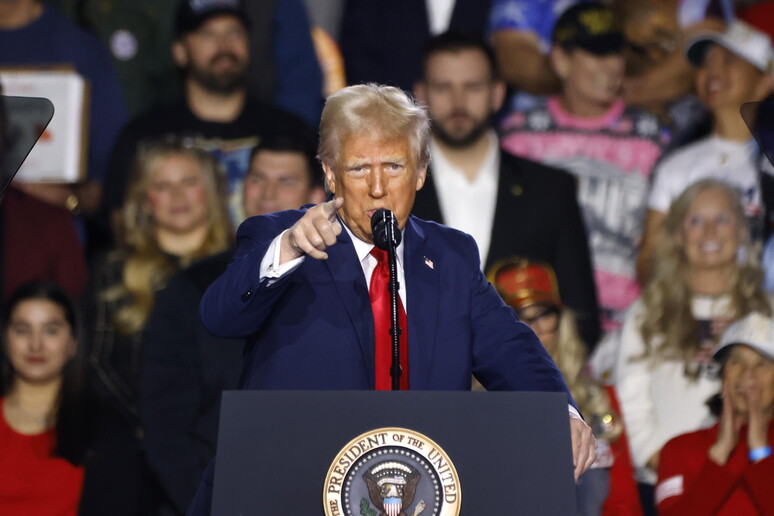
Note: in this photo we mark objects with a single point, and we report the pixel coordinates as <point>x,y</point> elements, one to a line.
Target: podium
<point>366,453</point>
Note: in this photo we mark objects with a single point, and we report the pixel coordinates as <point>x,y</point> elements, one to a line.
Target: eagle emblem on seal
<point>392,486</point>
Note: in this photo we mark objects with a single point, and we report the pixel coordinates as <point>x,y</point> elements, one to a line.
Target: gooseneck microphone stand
<point>387,237</point>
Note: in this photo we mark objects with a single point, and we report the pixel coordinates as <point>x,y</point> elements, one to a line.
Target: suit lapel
<point>470,16</point>
<point>508,212</point>
<point>349,280</point>
<point>459,12</point>
<point>426,205</point>
<point>423,293</point>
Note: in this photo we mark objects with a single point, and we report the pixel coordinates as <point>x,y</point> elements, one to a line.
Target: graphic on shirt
<point>233,156</point>
<point>612,158</point>
<point>613,207</point>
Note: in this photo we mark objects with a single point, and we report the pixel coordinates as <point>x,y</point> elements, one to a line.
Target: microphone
<point>384,227</point>
<point>386,234</point>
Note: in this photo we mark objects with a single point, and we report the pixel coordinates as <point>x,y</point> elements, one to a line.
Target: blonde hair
<point>384,110</point>
<point>668,327</point>
<point>146,267</point>
<point>570,357</point>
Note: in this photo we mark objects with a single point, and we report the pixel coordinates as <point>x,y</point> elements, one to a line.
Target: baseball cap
<point>755,330</point>
<point>590,26</point>
<point>192,13</point>
<point>522,282</point>
<point>740,38</point>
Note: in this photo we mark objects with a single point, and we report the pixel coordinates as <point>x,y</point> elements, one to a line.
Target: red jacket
<point>689,482</point>
<point>623,499</point>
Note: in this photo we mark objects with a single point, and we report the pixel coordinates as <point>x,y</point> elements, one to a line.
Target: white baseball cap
<point>740,38</point>
<point>755,330</point>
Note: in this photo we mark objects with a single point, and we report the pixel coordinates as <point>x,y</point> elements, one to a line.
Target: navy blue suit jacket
<point>313,328</point>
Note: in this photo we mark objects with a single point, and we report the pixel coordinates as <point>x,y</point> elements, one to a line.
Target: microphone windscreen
<point>383,226</point>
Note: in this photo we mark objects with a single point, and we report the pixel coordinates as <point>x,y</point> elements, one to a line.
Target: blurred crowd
<point>595,150</point>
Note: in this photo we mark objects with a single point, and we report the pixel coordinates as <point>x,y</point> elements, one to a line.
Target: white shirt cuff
<point>574,412</point>
<point>271,270</point>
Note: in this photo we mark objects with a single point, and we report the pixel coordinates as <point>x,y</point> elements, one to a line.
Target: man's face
<point>215,55</point>
<point>725,80</point>
<point>373,173</point>
<point>276,181</point>
<point>460,94</point>
<point>589,78</point>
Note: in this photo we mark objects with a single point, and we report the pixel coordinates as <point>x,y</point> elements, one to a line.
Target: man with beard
<point>212,52</point>
<point>511,206</point>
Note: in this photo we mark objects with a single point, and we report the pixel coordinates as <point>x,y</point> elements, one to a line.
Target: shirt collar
<point>363,249</point>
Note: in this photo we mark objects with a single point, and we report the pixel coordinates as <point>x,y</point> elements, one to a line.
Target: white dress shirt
<point>368,263</point>
<point>468,205</point>
<point>439,13</point>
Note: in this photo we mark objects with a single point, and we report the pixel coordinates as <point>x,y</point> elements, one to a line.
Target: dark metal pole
<point>395,329</point>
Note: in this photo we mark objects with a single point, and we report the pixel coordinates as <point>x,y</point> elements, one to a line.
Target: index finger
<point>330,207</point>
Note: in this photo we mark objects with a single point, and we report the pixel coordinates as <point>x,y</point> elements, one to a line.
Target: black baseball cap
<point>192,13</point>
<point>590,26</point>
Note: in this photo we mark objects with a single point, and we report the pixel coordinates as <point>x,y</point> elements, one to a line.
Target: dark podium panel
<point>511,450</point>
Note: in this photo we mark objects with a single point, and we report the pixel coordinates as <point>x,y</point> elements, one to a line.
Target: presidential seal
<point>392,472</point>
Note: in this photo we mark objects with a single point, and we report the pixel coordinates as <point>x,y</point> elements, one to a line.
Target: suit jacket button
<point>247,295</point>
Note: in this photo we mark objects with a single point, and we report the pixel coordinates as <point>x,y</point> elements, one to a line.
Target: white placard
<point>59,156</point>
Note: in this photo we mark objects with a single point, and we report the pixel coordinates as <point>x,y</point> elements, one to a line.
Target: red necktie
<point>379,292</point>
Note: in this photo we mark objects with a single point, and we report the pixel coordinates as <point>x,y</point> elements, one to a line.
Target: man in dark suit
<point>510,205</point>
<point>298,287</point>
<point>382,41</point>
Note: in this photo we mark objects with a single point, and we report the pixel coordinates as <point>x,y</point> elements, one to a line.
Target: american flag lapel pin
<point>429,262</point>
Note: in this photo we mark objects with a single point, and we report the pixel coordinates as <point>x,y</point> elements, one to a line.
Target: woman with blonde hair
<point>706,275</point>
<point>530,288</point>
<point>174,213</point>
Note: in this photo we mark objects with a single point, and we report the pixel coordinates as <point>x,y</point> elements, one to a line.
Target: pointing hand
<point>313,233</point>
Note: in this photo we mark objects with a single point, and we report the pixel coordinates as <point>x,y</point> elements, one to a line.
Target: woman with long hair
<point>44,423</point>
<point>706,275</point>
<point>531,289</point>
<point>727,469</point>
<point>174,213</point>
